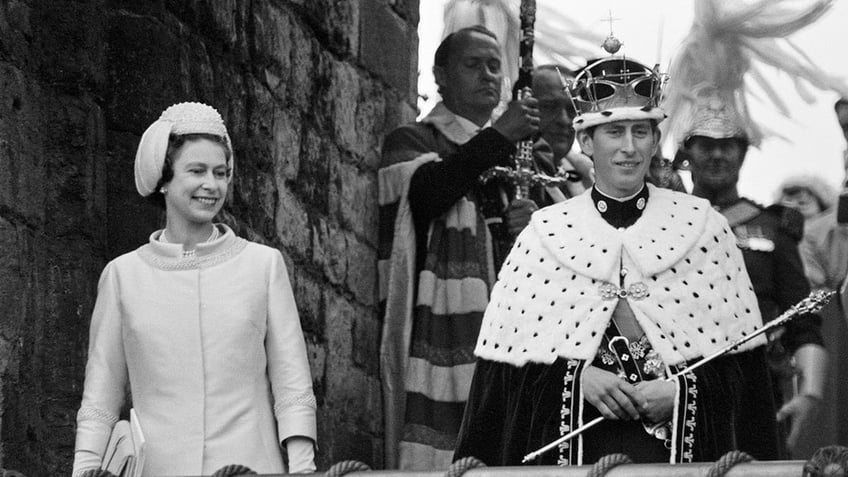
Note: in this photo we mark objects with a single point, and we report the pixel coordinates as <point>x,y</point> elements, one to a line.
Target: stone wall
<point>308,88</point>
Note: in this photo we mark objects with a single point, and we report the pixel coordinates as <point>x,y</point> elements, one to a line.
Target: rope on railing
<point>10,473</point>
<point>345,467</point>
<point>830,461</point>
<point>460,467</point>
<point>233,470</point>
<point>727,461</point>
<point>606,463</point>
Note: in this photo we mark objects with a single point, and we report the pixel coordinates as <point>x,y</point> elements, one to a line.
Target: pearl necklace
<point>191,253</point>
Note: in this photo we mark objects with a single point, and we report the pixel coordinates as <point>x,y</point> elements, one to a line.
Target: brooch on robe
<point>610,291</point>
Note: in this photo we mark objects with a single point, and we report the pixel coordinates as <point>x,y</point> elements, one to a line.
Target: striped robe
<point>432,308</point>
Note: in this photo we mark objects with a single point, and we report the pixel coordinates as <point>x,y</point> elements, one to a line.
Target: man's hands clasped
<point>615,398</point>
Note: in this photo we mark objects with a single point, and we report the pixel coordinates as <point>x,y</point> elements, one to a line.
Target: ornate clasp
<point>610,291</point>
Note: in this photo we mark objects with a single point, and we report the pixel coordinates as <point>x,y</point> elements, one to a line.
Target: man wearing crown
<point>716,141</point>
<point>605,295</point>
<point>438,245</point>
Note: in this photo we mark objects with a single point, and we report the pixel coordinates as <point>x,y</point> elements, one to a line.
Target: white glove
<point>85,460</point>
<point>301,451</point>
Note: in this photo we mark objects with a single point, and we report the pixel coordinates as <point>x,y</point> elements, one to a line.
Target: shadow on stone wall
<point>307,88</point>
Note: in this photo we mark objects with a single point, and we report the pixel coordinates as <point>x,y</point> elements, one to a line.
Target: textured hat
<point>715,118</point>
<point>178,119</point>
<point>615,89</point>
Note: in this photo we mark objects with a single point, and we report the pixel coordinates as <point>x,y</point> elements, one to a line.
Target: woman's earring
<point>162,190</point>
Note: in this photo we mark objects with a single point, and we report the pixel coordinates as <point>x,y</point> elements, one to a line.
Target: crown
<point>194,118</point>
<point>616,89</point>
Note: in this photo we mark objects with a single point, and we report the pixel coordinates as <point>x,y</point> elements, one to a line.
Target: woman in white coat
<point>200,323</point>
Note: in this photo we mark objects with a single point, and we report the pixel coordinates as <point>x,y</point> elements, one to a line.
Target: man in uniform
<point>442,236</point>
<point>606,294</point>
<point>717,142</point>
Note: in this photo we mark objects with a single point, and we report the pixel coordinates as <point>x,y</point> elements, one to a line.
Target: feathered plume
<point>726,48</point>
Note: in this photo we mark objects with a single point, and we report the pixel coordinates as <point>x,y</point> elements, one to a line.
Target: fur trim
<point>588,120</point>
<point>548,301</point>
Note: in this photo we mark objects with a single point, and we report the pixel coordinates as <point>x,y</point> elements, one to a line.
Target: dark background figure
<point>824,250</point>
<point>717,144</point>
<point>441,239</point>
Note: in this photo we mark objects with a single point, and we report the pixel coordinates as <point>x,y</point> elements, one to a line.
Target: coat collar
<point>578,236</point>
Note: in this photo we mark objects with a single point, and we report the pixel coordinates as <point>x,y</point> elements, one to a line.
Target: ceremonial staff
<point>524,174</point>
<point>811,304</point>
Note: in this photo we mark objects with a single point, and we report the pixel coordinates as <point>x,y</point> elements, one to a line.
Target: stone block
<point>285,145</point>
<point>370,117</point>
<point>69,54</point>
<point>357,200</point>
<point>409,10</point>
<point>22,157</point>
<point>273,45</point>
<point>16,30</point>
<point>317,155</point>
<point>342,100</point>
<point>76,160</point>
<point>362,270</point>
<point>13,286</point>
<point>131,218</point>
<point>146,70</point>
<point>381,26</point>
<point>305,75</point>
<point>329,250</point>
<point>292,223</point>
<point>308,294</point>
<point>366,341</point>
<point>336,25</point>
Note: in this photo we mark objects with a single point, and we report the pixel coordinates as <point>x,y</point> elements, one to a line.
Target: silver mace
<point>812,303</point>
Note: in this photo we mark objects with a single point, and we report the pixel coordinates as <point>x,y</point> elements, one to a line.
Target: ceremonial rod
<point>812,303</point>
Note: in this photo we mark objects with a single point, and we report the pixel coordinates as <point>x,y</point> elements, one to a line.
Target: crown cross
<point>610,20</point>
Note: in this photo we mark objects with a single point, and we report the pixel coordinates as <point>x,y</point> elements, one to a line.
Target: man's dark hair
<point>591,130</point>
<point>840,103</point>
<point>447,46</point>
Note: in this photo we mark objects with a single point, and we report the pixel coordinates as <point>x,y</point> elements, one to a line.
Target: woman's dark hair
<point>175,142</point>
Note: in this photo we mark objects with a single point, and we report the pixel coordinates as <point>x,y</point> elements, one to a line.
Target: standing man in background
<point>552,152</point>
<point>440,245</point>
<point>717,142</point>
<point>824,251</point>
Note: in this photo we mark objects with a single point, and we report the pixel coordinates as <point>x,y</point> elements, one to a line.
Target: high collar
<point>620,213</point>
<point>169,256</point>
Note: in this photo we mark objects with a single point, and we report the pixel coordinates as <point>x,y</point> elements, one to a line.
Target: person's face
<point>199,186</point>
<point>554,121</point>
<point>715,163</point>
<point>472,78</point>
<point>621,152</point>
<point>842,116</point>
<point>802,200</point>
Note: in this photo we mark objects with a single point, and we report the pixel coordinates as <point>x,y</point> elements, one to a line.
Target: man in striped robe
<point>440,236</point>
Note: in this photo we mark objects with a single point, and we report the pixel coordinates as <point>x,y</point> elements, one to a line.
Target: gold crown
<point>616,89</point>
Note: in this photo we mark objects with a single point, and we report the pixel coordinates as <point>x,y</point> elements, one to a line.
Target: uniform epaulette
<point>791,221</point>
